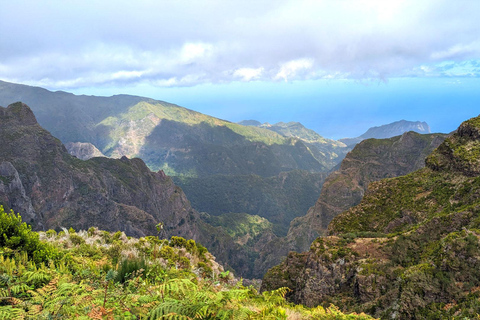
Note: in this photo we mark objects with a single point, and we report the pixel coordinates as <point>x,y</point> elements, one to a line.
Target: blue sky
<point>338,67</point>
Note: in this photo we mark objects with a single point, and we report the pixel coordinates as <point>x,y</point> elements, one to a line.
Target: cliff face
<point>409,250</point>
<point>52,189</point>
<point>64,191</point>
<point>371,160</point>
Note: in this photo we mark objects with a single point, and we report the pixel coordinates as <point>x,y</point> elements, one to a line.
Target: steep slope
<point>52,189</point>
<point>178,140</point>
<point>370,160</point>
<point>218,157</point>
<point>409,250</point>
<point>326,151</point>
<point>389,130</point>
<point>279,198</point>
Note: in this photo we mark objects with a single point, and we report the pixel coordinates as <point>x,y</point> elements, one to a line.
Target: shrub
<point>129,267</point>
<point>18,236</point>
<point>51,233</point>
<point>91,231</point>
<point>116,236</point>
<point>76,239</point>
<point>167,253</point>
<point>178,242</point>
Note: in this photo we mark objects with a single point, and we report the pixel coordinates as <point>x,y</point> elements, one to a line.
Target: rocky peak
<point>461,152</point>
<point>18,113</point>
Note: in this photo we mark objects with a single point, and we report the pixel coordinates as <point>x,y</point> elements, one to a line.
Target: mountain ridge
<point>389,130</point>
<point>164,135</point>
<point>409,249</point>
<point>52,189</point>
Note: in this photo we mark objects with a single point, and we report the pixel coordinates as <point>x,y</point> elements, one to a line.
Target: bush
<point>178,242</point>
<point>76,239</point>
<point>19,237</point>
<point>129,267</point>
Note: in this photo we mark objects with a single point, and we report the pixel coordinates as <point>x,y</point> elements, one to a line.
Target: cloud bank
<point>72,44</point>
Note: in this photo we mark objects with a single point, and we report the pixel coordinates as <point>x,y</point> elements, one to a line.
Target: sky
<point>337,66</point>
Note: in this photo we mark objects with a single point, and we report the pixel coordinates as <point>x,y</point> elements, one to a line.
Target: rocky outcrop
<point>409,250</point>
<point>371,160</point>
<point>83,150</point>
<point>52,189</point>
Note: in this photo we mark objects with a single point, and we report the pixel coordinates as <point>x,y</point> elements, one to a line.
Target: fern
<point>8,312</point>
<point>174,316</point>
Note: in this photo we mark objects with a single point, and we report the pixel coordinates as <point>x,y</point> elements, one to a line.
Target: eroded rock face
<point>83,150</point>
<point>13,193</point>
<point>68,192</point>
<point>52,189</point>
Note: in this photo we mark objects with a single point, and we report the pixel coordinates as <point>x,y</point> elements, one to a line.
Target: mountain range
<point>168,137</point>
<point>255,172</point>
<point>389,130</point>
<point>329,152</point>
<point>196,149</point>
<point>408,250</point>
<point>52,189</point>
<point>371,160</point>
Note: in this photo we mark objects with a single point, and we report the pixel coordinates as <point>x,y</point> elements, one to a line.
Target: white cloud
<point>292,68</point>
<point>248,74</point>
<point>191,52</point>
<point>185,42</point>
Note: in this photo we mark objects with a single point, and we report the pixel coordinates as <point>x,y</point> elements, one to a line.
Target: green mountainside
<point>370,160</point>
<point>327,151</point>
<point>409,250</point>
<point>178,140</point>
<point>279,198</point>
<point>53,189</point>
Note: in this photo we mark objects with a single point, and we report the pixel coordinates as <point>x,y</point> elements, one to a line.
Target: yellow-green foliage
<point>171,112</point>
<point>153,279</point>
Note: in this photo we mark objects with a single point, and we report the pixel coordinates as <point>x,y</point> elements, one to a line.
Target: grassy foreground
<point>95,274</point>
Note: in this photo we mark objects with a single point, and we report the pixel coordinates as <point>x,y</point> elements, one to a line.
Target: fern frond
<point>37,277</point>
<point>174,316</point>
<point>19,288</point>
<point>3,293</point>
<point>179,287</point>
<point>169,306</point>
<point>8,312</point>
<point>34,311</point>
